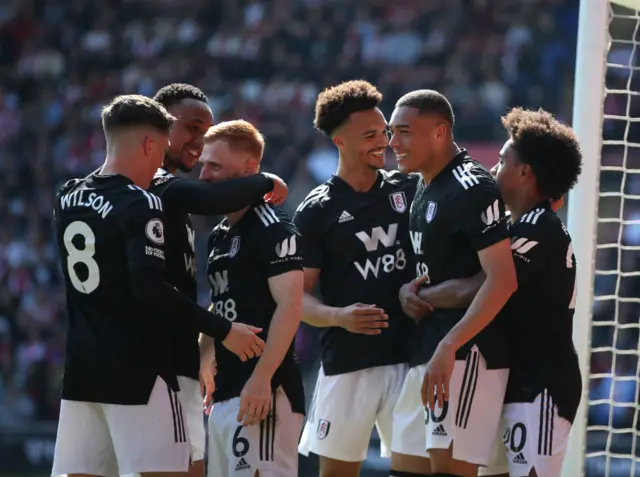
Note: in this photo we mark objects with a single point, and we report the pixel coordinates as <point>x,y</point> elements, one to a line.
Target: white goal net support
<point>604,221</point>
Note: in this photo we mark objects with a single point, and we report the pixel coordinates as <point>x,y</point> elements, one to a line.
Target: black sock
<point>400,473</point>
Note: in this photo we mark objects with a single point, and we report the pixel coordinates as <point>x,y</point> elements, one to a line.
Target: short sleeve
<point>482,215</point>
<point>306,219</point>
<point>145,233</point>
<point>280,249</point>
<point>162,182</point>
<point>538,246</point>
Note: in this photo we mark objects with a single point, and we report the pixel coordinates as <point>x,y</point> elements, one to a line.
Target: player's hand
<point>208,374</point>
<point>362,319</point>
<point>414,307</point>
<point>435,384</point>
<point>280,190</point>
<point>556,205</point>
<point>244,342</point>
<point>255,400</point>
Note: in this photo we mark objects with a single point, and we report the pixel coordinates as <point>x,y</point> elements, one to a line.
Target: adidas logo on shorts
<point>519,459</point>
<point>439,431</point>
<point>242,465</point>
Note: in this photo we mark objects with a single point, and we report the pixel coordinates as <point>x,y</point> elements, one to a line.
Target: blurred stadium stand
<point>261,60</point>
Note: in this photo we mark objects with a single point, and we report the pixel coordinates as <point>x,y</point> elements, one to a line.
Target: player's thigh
<point>393,378</point>
<point>499,466</point>
<point>221,422</point>
<point>409,419</point>
<point>269,447</point>
<point>470,420</point>
<point>342,415</point>
<point>191,401</point>
<point>83,443</point>
<point>152,437</point>
<point>535,437</point>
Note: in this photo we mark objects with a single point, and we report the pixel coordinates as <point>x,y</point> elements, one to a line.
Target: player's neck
<point>439,163</point>
<point>125,167</point>
<point>522,205</point>
<point>234,217</point>
<point>360,179</point>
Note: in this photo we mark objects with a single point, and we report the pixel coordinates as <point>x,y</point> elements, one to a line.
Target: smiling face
<point>363,138</point>
<point>194,118</point>
<point>416,139</point>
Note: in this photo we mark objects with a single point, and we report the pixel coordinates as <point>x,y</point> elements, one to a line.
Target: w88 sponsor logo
<point>394,260</point>
<point>226,309</point>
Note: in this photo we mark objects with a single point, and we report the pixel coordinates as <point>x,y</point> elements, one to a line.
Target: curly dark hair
<point>335,104</point>
<point>176,92</point>
<point>428,101</point>
<point>550,147</point>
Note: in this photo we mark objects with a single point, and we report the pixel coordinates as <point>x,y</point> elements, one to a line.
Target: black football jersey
<point>539,315</point>
<point>262,244</point>
<point>106,227</point>
<point>459,213</point>
<point>360,243</point>
<point>181,272</point>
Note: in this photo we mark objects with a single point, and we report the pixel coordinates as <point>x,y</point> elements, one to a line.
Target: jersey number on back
<point>84,255</point>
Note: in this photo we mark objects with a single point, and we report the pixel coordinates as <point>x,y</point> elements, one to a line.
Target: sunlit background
<point>265,61</point>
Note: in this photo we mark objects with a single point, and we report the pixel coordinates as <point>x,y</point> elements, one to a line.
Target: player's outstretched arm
<point>286,290</point>
<point>455,293</point>
<point>146,262</point>
<point>500,283</point>
<point>154,291</point>
<point>358,318</point>
<point>203,198</point>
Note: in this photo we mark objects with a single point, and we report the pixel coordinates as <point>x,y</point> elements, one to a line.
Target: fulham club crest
<point>398,202</point>
<point>323,428</point>
<point>235,246</point>
<point>432,207</point>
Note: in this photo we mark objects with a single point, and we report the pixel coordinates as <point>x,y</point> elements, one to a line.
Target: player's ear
<point>441,131</point>
<point>251,166</point>
<point>147,145</point>
<point>337,141</point>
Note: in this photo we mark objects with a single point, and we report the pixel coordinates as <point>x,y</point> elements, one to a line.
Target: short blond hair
<point>240,134</point>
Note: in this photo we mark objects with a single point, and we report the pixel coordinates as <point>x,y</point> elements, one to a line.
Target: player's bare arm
<point>500,283</point>
<point>207,370</point>
<point>286,290</point>
<point>414,306</point>
<point>455,293</point>
<point>360,318</point>
<point>213,198</point>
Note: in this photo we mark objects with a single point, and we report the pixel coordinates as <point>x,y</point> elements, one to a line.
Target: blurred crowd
<point>261,60</point>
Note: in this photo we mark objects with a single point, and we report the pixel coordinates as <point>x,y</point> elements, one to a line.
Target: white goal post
<point>607,458</point>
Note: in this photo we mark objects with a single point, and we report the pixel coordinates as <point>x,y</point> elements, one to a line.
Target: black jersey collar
<point>455,161</point>
<point>543,204</point>
<point>99,179</point>
<point>342,184</point>
<point>226,225</point>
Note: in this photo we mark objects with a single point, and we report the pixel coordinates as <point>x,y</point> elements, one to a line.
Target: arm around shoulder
<point>203,198</point>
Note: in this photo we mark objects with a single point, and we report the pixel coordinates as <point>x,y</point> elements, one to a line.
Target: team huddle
<point>447,296</point>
